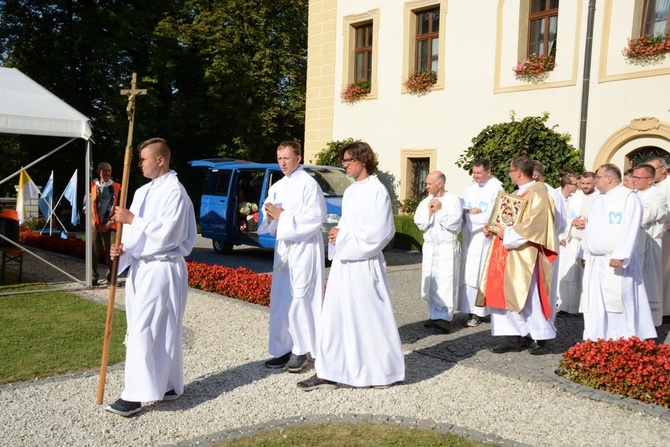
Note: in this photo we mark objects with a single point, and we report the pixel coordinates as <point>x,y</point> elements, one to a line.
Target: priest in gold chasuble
<point>516,284</point>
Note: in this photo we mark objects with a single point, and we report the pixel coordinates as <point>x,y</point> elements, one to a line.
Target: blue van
<point>233,196</point>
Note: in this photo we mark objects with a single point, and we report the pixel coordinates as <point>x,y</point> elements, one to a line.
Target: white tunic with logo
<point>614,300</point>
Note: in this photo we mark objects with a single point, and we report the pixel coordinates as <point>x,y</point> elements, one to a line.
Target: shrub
<point>500,143</point>
<point>330,155</point>
<point>407,234</point>
<point>629,367</point>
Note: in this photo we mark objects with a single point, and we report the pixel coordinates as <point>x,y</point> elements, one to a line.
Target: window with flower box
<point>538,33</point>
<point>650,37</point>
<point>423,56</point>
<point>363,53</point>
<point>359,63</point>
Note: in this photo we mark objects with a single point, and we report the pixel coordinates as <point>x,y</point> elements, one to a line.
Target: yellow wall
<point>320,76</point>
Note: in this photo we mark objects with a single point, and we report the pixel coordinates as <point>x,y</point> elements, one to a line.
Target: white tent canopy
<point>28,108</point>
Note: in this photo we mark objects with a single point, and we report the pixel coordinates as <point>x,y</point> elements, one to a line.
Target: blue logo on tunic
<point>615,218</point>
<point>483,206</point>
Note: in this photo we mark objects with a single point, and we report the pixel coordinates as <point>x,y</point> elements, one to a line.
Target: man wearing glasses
<point>614,301</point>
<point>663,181</point>
<point>516,285</point>
<point>655,213</point>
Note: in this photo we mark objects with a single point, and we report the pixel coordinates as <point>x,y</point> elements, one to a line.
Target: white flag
<point>27,189</point>
<point>45,198</point>
<point>70,194</point>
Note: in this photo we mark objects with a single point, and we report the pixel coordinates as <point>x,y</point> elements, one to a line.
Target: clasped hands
<point>272,211</point>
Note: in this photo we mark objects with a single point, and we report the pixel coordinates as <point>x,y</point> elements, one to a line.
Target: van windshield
<point>333,182</point>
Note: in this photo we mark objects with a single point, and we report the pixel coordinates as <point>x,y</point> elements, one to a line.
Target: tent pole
<point>87,216</point>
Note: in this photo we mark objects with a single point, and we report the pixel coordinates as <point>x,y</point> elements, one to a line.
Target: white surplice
<point>475,245</point>
<point>560,224</point>
<point>162,233</point>
<point>649,247</point>
<point>440,269</point>
<point>570,267</point>
<point>665,187</point>
<point>297,280</point>
<point>614,300</point>
<point>359,343</point>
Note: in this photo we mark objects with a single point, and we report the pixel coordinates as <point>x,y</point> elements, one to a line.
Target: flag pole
<point>132,94</point>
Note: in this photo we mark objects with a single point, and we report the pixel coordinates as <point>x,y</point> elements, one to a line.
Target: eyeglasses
<point>635,177</point>
<point>513,170</point>
<point>601,176</point>
<point>346,161</point>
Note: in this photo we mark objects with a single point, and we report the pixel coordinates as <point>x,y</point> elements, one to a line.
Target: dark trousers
<point>98,238</point>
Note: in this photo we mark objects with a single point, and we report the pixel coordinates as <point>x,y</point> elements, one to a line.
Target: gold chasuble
<point>507,273</point>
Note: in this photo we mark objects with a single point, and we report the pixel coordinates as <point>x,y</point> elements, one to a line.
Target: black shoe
<point>278,362</point>
<point>538,347</point>
<point>486,319</point>
<point>443,325</point>
<point>512,344</point>
<point>170,395</point>
<point>562,313</point>
<point>95,282</point>
<point>296,363</point>
<point>124,408</point>
<point>314,383</point>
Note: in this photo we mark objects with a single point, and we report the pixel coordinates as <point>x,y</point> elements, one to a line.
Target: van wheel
<point>221,247</point>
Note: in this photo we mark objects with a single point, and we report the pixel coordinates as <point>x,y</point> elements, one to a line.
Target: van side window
<point>217,183</point>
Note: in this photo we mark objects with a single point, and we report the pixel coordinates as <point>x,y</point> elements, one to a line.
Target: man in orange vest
<point>104,197</point>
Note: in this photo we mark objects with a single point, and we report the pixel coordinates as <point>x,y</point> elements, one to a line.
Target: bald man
<point>439,217</point>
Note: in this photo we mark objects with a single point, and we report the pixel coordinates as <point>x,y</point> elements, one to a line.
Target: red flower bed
<point>240,283</point>
<point>71,247</point>
<point>630,367</point>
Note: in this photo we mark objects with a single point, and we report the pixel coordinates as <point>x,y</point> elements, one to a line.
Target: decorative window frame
<point>349,49</point>
<point>406,167</point>
<point>409,38</point>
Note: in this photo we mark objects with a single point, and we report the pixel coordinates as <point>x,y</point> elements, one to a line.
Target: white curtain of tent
<point>28,108</point>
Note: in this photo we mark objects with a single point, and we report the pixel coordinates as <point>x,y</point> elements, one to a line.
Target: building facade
<point>621,114</point>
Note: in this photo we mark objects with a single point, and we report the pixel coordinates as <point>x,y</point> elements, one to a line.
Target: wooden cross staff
<point>132,94</point>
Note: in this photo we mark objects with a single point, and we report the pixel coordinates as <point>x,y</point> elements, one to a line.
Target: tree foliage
<point>224,77</point>
<point>501,143</point>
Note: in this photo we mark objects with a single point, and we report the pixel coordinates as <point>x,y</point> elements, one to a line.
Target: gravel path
<point>453,384</point>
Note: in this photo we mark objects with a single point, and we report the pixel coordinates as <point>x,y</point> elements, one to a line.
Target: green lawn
<point>49,333</point>
<point>362,434</point>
